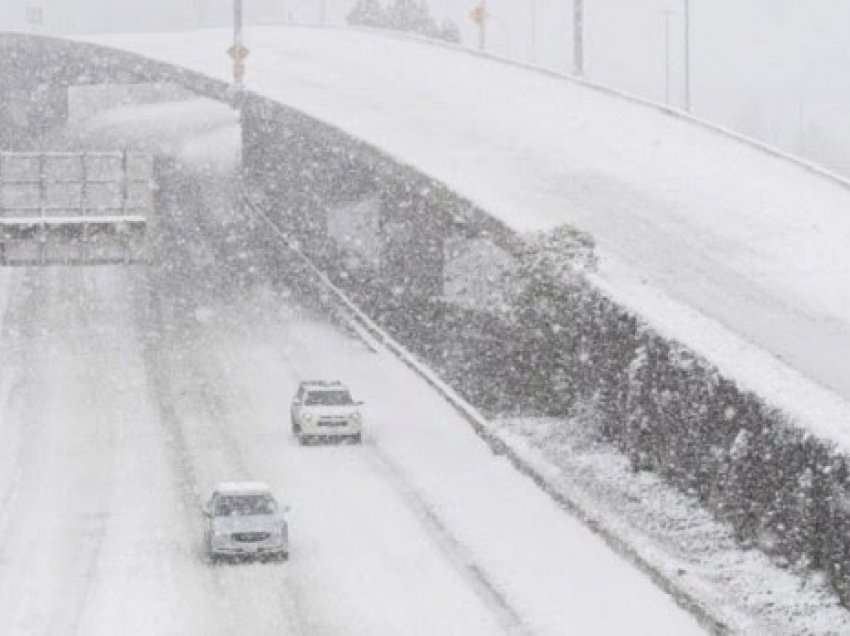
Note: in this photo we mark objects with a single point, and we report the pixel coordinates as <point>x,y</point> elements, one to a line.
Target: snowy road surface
<point>127,393</point>
<point>741,240</point>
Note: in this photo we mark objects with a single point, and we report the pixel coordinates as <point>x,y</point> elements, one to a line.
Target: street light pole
<point>667,14</point>
<point>578,37</point>
<point>687,55</point>
<point>237,44</point>
<point>482,25</point>
<point>533,56</point>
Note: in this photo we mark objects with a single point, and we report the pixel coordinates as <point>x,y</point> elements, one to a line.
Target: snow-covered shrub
<point>412,16</point>
<point>369,13</point>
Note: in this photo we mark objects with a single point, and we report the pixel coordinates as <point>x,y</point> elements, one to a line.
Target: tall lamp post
<point>578,37</point>
<point>533,55</point>
<point>687,55</point>
<point>667,14</point>
<point>482,17</point>
<point>237,52</point>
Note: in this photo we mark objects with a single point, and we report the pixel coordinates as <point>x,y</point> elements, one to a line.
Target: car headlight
<point>219,538</point>
<point>356,417</point>
<point>308,417</point>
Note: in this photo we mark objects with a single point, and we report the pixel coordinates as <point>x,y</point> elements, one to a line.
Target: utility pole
<point>667,14</point>
<point>482,17</point>
<point>237,52</point>
<point>237,22</point>
<point>578,37</point>
<point>238,63</point>
<point>687,55</point>
<point>533,56</point>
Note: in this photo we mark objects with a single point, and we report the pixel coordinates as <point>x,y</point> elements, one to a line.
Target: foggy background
<point>772,69</point>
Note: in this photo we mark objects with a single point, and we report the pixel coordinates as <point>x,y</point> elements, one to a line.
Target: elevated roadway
<point>698,231</point>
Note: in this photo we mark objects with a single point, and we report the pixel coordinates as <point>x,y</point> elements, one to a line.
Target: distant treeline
<point>403,15</point>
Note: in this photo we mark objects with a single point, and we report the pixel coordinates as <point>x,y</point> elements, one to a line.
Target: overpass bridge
<point>721,243</point>
<point>724,244</point>
<point>316,174</point>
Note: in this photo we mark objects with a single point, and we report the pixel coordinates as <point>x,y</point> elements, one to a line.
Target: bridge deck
<point>689,223</point>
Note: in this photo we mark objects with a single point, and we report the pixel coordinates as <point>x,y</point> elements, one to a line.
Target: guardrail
<point>376,338</point>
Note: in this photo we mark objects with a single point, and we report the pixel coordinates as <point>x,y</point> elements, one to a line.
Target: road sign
<point>238,52</point>
<point>478,14</point>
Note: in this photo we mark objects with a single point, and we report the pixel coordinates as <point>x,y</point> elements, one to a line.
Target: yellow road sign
<point>238,52</point>
<point>478,14</point>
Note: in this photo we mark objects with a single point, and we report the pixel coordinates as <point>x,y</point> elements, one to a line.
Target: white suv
<point>244,520</point>
<point>325,411</point>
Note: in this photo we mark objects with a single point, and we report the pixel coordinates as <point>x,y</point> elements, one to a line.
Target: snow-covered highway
<point>127,393</point>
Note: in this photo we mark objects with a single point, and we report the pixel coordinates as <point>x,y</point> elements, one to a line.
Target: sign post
<point>238,52</point>
<point>578,37</point>
<point>479,16</point>
<point>687,56</point>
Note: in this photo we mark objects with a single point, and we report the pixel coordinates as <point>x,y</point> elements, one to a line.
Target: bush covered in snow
<point>403,15</point>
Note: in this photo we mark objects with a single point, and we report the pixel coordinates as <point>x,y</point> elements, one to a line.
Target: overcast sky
<point>126,15</point>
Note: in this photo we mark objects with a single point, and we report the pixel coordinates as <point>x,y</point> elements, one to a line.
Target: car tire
<point>302,440</point>
<point>284,556</point>
<point>358,438</point>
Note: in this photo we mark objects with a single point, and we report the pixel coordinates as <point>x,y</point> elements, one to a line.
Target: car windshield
<point>339,397</point>
<point>242,505</point>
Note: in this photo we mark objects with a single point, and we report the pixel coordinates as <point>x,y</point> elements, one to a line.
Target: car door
<point>296,404</point>
<point>209,513</point>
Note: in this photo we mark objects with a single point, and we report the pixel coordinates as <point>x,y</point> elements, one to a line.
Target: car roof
<point>243,488</point>
<point>320,385</point>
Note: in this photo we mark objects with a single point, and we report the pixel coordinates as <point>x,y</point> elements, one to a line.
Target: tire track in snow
<point>456,554</point>
<point>10,385</point>
<point>454,551</point>
<point>205,402</point>
<point>169,326</point>
<point>96,532</point>
<point>48,343</point>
